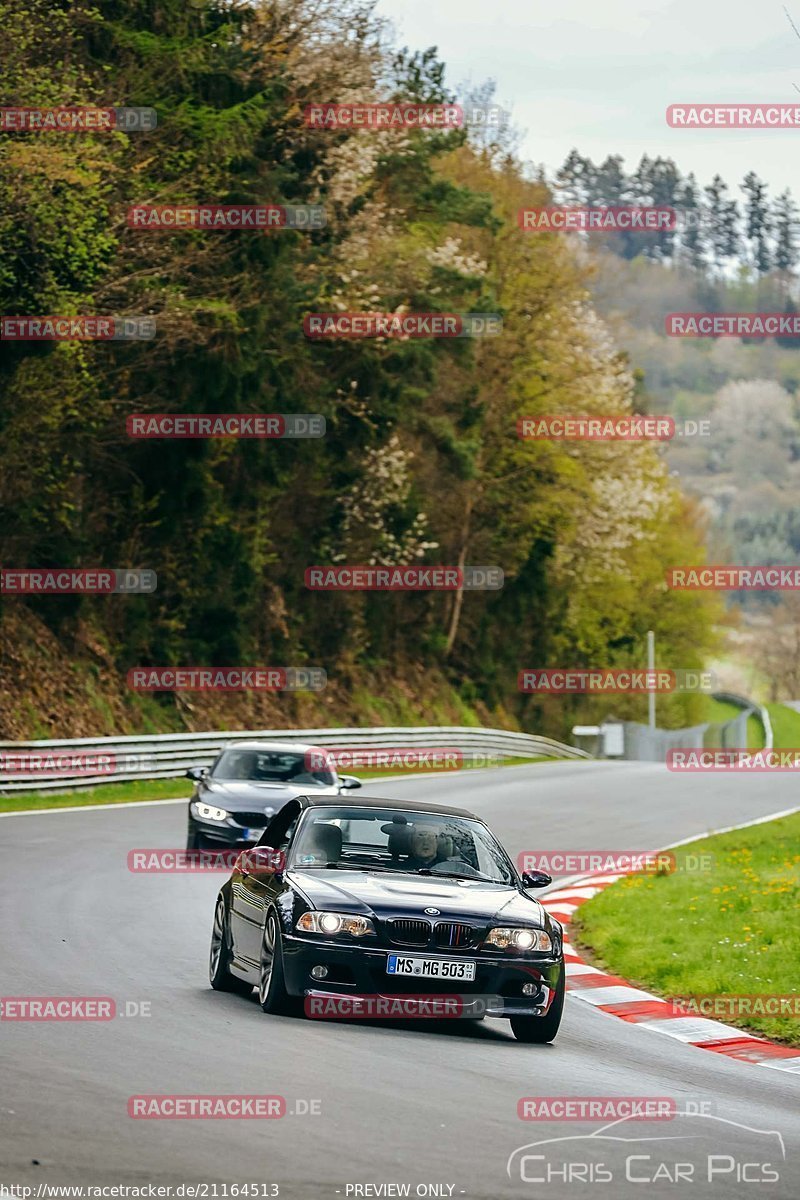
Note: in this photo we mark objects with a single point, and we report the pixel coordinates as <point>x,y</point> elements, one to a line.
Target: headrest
<point>445,846</point>
<point>325,842</point>
<point>399,831</point>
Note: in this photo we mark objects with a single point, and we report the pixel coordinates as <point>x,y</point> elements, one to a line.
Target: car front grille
<point>407,932</point>
<point>453,935</point>
<point>446,935</point>
<point>256,820</point>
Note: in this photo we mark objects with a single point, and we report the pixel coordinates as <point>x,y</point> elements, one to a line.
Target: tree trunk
<point>458,598</point>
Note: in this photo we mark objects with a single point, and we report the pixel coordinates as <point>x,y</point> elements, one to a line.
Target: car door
<point>252,888</point>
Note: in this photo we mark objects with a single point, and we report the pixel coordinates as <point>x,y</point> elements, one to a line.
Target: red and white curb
<point>615,996</point>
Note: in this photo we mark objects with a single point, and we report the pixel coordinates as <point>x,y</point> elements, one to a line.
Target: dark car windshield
<point>273,766</point>
<point>387,839</point>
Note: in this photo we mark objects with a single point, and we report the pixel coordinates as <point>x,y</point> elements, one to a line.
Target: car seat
<point>399,840</point>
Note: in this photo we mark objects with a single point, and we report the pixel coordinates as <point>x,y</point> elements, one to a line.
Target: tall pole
<point>651,666</point>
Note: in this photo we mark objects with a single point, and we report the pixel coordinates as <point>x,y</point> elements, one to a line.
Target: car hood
<point>241,794</point>
<point>409,895</point>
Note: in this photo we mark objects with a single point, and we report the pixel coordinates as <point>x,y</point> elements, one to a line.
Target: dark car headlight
<point>509,938</point>
<point>208,812</point>
<point>332,923</point>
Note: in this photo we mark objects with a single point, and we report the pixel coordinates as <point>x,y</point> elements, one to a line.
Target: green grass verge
<point>168,789</point>
<point>719,710</point>
<point>732,930</point>
<point>105,793</point>
<point>755,734</point>
<point>785,726</point>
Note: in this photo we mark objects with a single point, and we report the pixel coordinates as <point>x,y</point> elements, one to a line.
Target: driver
<point>424,848</point>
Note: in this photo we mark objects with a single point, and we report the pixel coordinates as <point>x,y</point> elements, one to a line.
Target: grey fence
<point>651,745</point>
<point>168,756</point>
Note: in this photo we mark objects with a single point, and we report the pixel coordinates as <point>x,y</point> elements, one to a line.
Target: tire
<point>220,956</point>
<point>194,840</point>
<point>538,1030</point>
<point>272,994</point>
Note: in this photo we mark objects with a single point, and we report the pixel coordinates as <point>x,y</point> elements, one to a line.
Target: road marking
<point>695,1029</point>
<point>612,995</point>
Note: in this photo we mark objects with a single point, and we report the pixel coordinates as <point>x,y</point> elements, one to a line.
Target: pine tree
<point>665,188</point>
<point>641,183</point>
<point>574,179</point>
<point>692,234</point>
<point>723,222</point>
<point>785,226</point>
<point>611,184</point>
<point>757,222</point>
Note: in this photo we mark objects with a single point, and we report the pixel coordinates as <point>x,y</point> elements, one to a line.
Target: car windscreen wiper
<point>458,875</point>
<point>342,866</point>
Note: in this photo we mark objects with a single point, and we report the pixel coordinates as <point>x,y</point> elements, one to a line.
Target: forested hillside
<point>740,253</point>
<point>421,461</point>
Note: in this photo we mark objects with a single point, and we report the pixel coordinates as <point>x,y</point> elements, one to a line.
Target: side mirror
<point>349,781</point>
<point>261,860</point>
<point>536,879</point>
<point>197,773</point>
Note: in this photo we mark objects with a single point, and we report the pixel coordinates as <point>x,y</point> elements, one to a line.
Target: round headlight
<point>524,939</point>
<point>329,922</point>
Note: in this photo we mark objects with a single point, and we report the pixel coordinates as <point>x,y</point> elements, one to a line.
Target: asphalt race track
<point>432,1104</point>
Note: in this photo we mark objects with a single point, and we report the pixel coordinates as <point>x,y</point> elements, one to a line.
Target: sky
<point>598,75</point>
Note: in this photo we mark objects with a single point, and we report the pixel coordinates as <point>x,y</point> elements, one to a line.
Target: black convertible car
<point>370,898</point>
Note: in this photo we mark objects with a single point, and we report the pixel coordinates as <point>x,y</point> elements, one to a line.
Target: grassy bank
<point>785,726</point>
<point>731,930</point>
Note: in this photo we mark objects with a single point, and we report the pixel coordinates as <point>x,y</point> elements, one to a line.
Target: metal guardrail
<point>757,709</point>
<point>169,756</point>
<point>652,745</point>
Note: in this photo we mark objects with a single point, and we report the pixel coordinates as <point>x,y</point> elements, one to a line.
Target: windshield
<point>272,766</point>
<point>398,840</point>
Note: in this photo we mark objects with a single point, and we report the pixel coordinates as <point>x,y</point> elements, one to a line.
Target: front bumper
<point>223,833</point>
<point>358,970</point>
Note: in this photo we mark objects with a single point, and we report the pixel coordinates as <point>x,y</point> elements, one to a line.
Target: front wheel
<point>220,956</point>
<point>272,994</point>
<point>542,1029</point>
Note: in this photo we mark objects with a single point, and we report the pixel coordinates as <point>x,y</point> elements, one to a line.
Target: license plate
<point>432,968</point>
<point>251,835</point>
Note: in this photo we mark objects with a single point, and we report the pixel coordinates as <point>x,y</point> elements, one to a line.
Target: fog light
<point>530,989</point>
<point>319,972</point>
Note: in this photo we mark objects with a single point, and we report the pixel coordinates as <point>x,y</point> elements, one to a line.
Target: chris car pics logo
<point>694,1149</point>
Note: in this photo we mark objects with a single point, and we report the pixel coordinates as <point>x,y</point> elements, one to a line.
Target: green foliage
<point>421,461</point>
